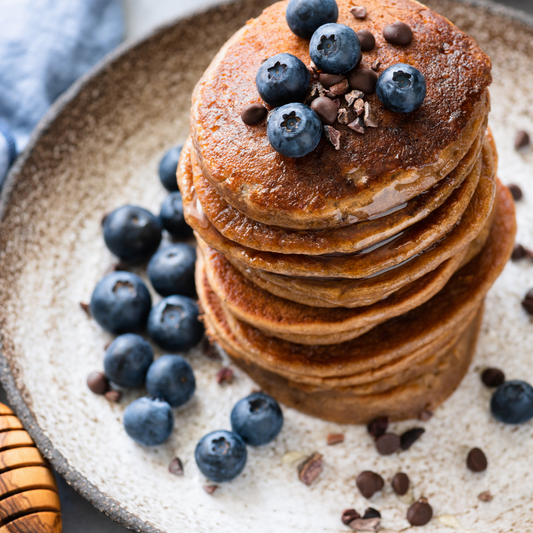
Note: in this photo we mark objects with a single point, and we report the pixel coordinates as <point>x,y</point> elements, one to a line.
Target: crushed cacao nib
<point>354,95</point>
<point>359,107</point>
<point>370,120</point>
<point>333,136</point>
<point>86,308</point>
<point>210,488</point>
<point>310,469</point>
<point>357,126</point>
<point>176,467</point>
<point>342,116</point>
<point>335,438</point>
<point>358,12</point>
<point>349,515</point>
<point>365,524</point>
<point>225,375</point>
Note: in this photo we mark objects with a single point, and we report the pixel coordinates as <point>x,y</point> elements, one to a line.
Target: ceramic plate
<point>98,149</point>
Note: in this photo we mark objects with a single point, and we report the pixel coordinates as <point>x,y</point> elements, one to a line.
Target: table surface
<point>79,516</point>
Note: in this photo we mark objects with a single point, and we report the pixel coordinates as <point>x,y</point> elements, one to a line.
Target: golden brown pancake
<point>439,317</point>
<point>238,228</point>
<point>371,173</point>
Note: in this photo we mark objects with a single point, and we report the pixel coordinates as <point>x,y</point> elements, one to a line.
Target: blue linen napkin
<point>45,45</point>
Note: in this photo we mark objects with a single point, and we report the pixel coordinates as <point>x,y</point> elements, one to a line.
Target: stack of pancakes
<point>350,283</point>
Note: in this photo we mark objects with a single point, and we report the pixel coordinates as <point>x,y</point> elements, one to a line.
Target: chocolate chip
<point>349,515</point>
<point>210,488</point>
<point>357,125</point>
<point>420,513</point>
<point>253,114</point>
<point>176,467</point>
<point>400,483</point>
<point>224,375</point>
<point>358,12</point>
<point>369,483</point>
<point>113,396</point>
<point>527,302</point>
<point>97,382</point>
<point>335,438</point>
<point>372,513</point>
<point>398,33</point>
<point>363,79</point>
<point>310,469</point>
<point>365,524</point>
<point>325,109</point>
<point>378,426</point>
<point>519,252</point>
<point>367,40</point>
<point>410,437</point>
<point>86,308</point>
<point>516,191</point>
<point>425,415</point>
<point>333,136</point>
<point>493,377</point>
<point>485,496</point>
<point>328,80</point>
<point>388,444</point>
<point>522,140</point>
<point>476,460</point>
<point>376,65</point>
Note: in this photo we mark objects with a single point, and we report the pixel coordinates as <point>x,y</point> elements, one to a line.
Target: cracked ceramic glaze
<point>102,151</point>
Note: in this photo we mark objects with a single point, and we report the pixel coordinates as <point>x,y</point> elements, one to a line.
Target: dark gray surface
<point>79,516</point>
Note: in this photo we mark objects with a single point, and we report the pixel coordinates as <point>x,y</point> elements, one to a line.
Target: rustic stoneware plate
<point>99,148</point>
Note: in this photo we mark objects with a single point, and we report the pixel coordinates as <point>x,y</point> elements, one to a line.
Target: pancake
<point>396,338</point>
<point>342,406</point>
<point>443,233</point>
<point>371,173</point>
<point>238,228</point>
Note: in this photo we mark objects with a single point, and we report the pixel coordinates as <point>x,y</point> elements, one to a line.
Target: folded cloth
<point>45,45</point>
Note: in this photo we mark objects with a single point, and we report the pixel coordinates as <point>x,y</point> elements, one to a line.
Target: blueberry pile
<point>121,304</point>
<point>255,420</point>
<point>298,93</point>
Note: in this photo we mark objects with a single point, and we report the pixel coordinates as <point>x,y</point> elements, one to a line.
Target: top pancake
<point>371,173</point>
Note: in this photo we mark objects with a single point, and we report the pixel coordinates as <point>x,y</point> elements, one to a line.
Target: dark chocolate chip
<point>327,80</point>
<point>398,33</point>
<point>388,444</point>
<point>527,302</point>
<point>348,515</point>
<point>224,375</point>
<point>367,40</point>
<point>335,438</point>
<point>86,309</point>
<point>325,108</point>
<point>493,377</point>
<point>516,191</point>
<point>310,469</point>
<point>476,460</point>
<point>253,114</point>
<point>363,79</point>
<point>369,483</point>
<point>372,513</point>
<point>485,496</point>
<point>400,483</point>
<point>97,382</point>
<point>210,488</point>
<point>176,467</point>
<point>425,415</point>
<point>378,426</point>
<point>358,12</point>
<point>519,252</point>
<point>522,140</point>
<point>420,513</point>
<point>333,136</point>
<point>410,437</point>
<point>113,396</point>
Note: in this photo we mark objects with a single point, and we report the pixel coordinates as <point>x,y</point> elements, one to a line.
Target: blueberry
<point>171,378</point>
<point>168,167</point>
<point>171,270</point>
<point>401,88</point>
<point>294,130</point>
<point>512,403</point>
<point>127,360</point>
<point>304,17</point>
<point>257,419</point>
<point>149,421</point>
<point>173,323</point>
<point>281,79</point>
<point>132,233</point>
<point>221,455</point>
<point>120,303</point>
<point>172,218</point>
<point>335,48</point>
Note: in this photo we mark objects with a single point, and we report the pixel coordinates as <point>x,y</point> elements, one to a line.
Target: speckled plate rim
<point>100,500</point>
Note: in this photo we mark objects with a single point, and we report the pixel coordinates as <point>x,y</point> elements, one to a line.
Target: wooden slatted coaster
<point>29,502</point>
